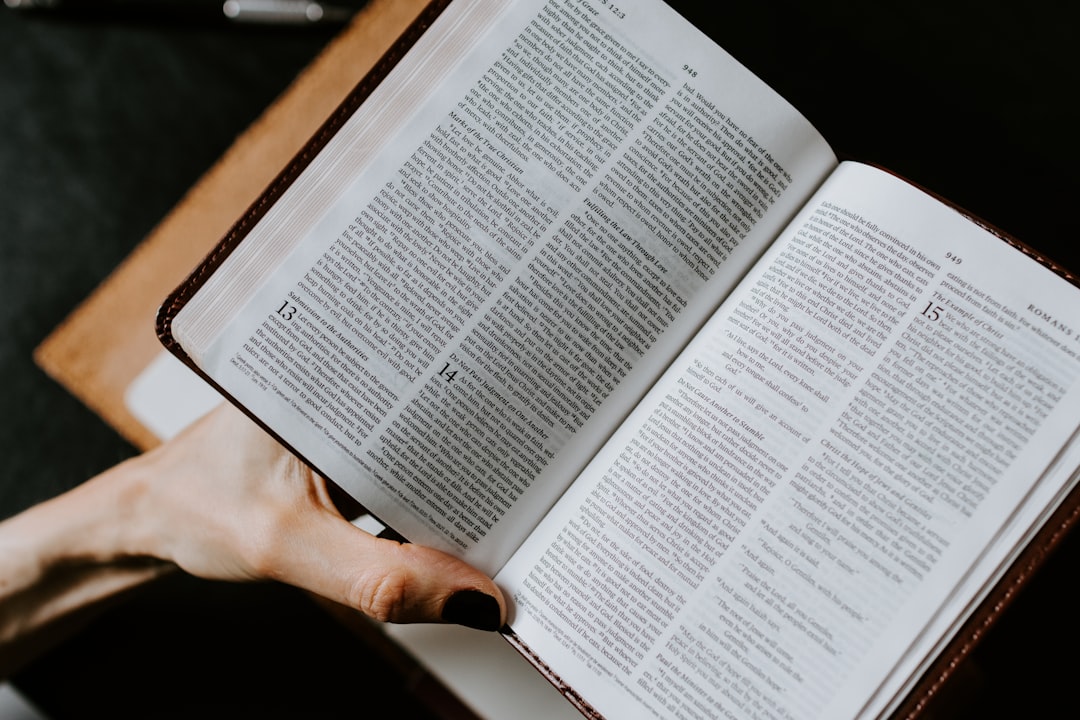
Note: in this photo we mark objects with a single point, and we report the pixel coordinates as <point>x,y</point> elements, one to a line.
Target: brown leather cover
<point>929,697</point>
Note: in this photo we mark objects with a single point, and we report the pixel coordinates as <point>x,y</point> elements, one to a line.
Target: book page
<point>776,527</point>
<point>506,276</point>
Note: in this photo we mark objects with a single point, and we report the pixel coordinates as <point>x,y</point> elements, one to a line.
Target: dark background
<point>107,123</point>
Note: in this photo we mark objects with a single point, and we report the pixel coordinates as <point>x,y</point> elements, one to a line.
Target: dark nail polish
<point>472,608</point>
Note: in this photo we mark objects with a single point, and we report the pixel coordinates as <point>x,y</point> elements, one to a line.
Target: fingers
<point>230,503</point>
<point>386,580</point>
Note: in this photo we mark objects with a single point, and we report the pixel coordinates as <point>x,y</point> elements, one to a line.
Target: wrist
<point>95,523</point>
<point>68,553</point>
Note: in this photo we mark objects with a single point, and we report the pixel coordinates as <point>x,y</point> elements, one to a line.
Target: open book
<point>742,431</point>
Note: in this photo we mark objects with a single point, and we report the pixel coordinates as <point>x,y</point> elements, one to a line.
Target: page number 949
<point>953,258</point>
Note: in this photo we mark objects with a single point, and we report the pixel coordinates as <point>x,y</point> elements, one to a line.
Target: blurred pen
<point>263,12</point>
<point>288,12</point>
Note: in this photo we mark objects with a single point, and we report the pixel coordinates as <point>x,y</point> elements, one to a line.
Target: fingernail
<point>474,609</point>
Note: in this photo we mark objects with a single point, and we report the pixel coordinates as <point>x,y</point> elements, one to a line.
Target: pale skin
<point>223,501</point>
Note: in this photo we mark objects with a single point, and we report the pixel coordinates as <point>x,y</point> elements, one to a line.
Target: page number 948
<point>689,71</point>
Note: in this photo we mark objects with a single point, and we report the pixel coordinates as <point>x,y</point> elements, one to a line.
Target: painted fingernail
<point>474,609</point>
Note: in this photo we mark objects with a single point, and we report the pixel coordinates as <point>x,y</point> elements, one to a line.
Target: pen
<point>286,12</point>
<point>263,12</point>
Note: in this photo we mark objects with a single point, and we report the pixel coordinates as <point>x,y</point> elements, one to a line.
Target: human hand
<point>225,501</point>
<point>222,501</point>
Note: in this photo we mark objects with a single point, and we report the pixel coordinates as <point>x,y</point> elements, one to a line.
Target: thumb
<point>384,579</point>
